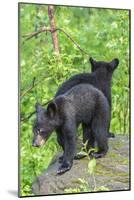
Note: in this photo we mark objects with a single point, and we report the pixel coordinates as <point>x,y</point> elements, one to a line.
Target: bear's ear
<point>38,107</point>
<point>51,109</point>
<point>92,61</point>
<point>114,63</point>
<point>93,64</point>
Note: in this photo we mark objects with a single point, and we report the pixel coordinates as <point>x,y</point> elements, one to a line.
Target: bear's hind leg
<point>99,129</point>
<point>87,137</point>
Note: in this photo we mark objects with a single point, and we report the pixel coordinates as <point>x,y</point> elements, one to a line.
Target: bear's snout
<point>35,144</point>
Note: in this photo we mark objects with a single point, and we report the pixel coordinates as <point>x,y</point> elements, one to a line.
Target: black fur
<point>81,104</point>
<point>100,78</point>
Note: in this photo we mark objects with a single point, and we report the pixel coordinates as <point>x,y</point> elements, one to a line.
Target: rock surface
<point>111,172</point>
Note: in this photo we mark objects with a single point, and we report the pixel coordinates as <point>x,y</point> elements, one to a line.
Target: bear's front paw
<point>65,166</point>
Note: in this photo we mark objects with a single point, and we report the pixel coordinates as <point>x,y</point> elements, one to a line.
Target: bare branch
<point>76,44</point>
<point>46,29</point>
<point>33,34</point>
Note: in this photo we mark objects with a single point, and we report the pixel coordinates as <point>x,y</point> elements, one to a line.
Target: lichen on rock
<point>111,173</point>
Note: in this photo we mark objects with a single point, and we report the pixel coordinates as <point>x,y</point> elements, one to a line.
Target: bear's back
<point>82,101</point>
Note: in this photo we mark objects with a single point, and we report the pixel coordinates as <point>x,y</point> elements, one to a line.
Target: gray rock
<point>111,172</point>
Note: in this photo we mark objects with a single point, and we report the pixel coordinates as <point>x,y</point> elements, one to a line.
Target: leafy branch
<point>23,119</point>
<point>29,89</point>
<point>34,84</point>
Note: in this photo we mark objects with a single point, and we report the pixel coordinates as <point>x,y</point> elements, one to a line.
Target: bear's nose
<point>35,144</point>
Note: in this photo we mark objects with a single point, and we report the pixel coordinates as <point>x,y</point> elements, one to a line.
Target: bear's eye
<point>40,131</point>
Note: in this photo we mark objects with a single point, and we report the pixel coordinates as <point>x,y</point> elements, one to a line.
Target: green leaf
<point>91,166</point>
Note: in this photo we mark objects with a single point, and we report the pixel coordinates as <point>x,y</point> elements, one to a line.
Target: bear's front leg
<point>60,140</point>
<point>69,149</point>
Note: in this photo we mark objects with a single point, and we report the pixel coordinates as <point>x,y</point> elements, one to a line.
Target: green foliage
<point>104,33</point>
<point>91,166</point>
<point>33,160</point>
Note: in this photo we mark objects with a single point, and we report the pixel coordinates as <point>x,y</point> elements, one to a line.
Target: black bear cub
<point>81,104</point>
<point>100,78</point>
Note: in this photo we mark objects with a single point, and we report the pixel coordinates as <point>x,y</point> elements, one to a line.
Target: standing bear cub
<point>81,104</point>
<point>101,78</point>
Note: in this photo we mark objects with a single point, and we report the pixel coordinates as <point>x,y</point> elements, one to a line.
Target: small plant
<point>91,169</point>
<point>84,185</point>
<point>91,163</point>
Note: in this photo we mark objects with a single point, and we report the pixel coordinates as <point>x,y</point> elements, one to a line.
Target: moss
<point>119,144</point>
<point>103,170</point>
<point>125,161</point>
<point>113,155</point>
<point>109,171</point>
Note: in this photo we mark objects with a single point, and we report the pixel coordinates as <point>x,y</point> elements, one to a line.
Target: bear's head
<point>46,122</point>
<point>108,67</point>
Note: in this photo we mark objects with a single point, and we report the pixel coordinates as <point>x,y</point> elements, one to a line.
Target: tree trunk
<point>53,27</point>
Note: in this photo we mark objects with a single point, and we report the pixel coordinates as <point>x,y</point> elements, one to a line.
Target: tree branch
<point>32,86</point>
<point>47,29</point>
<point>29,89</point>
<point>76,44</point>
<point>53,27</point>
<point>33,34</point>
